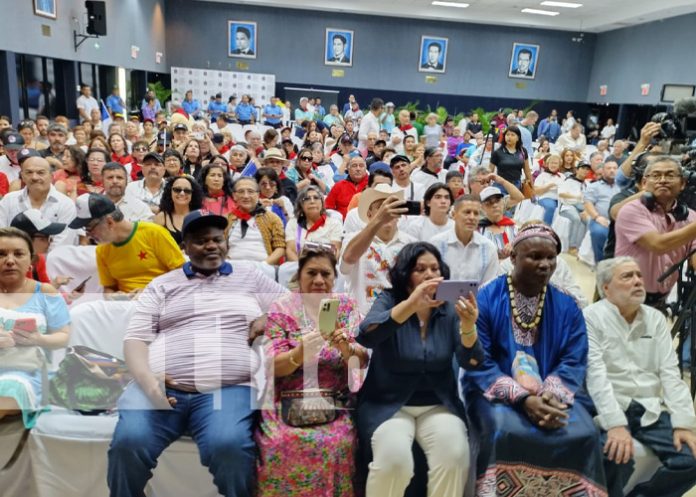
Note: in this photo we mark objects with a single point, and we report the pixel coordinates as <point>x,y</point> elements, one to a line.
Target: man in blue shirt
<point>597,197</point>
<point>216,107</point>
<point>272,113</point>
<point>319,109</point>
<point>549,127</point>
<point>245,111</point>
<point>115,103</point>
<point>191,107</point>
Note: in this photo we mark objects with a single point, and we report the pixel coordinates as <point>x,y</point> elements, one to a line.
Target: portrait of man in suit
<point>524,61</point>
<point>339,47</point>
<point>45,8</point>
<point>242,39</point>
<point>433,54</point>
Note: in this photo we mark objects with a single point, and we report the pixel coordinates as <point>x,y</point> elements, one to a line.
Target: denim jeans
<point>577,226</point>
<point>549,206</point>
<point>220,423</point>
<point>598,235</point>
<point>678,471</point>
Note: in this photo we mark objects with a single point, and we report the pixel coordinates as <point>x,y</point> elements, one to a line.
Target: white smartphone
<point>450,291</point>
<point>328,312</point>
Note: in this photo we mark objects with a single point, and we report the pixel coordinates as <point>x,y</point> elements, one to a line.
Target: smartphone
<point>81,286</point>
<point>25,324</point>
<point>328,312</point>
<point>450,291</point>
<point>414,208</point>
<point>198,135</point>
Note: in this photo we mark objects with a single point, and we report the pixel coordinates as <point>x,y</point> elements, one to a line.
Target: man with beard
<point>150,188</point>
<point>114,179</point>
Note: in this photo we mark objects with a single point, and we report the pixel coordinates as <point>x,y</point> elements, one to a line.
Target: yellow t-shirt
<point>147,253</point>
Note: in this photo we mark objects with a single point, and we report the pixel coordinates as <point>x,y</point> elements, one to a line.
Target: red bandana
<point>317,224</point>
<point>240,214</point>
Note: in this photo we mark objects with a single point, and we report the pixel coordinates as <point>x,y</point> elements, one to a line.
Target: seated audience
<point>455,183</point>
<point>636,386</point>
<point>180,196</point>
<point>571,194</point>
<point>68,179</point>
<point>189,377</point>
<point>114,177</point>
<point>468,254</point>
<point>150,188</point>
<point>435,219</point>
<point>311,224</point>
<point>325,451</point>
<point>34,316</point>
<point>271,194</point>
<point>304,173</point>
<point>342,192</point>
<point>217,188</point>
<point>253,233</point>
<point>400,166</point>
<point>369,253</point>
<point>568,161</point>
<point>480,178</point>
<point>275,159</point>
<point>380,173</point>
<point>525,401</point>
<point>173,163</point>
<point>546,186</point>
<point>494,225</point>
<point>431,171</point>
<point>409,394</point>
<point>193,159</point>
<point>573,139</point>
<point>129,254</point>
<point>597,197</point>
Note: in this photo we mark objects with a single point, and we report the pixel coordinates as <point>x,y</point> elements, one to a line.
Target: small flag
<point>105,117</point>
<point>250,169</point>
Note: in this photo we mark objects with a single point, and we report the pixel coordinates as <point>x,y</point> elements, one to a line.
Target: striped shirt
<point>197,327</point>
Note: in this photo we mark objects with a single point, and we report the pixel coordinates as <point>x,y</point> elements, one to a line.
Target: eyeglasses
<point>139,149</point>
<point>306,157</point>
<point>311,198</point>
<point>246,191</point>
<point>185,191</point>
<point>93,224</point>
<point>669,176</point>
<point>267,184</point>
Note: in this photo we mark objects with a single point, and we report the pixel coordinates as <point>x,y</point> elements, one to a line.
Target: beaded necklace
<point>515,313</point>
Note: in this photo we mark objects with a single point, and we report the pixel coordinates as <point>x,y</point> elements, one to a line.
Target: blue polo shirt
<point>244,111</point>
<point>113,102</point>
<point>599,193</point>
<point>191,107</point>
<point>274,110</point>
<point>216,108</point>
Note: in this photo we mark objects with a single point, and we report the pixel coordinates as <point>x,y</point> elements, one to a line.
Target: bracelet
<point>292,360</point>
<point>463,334</point>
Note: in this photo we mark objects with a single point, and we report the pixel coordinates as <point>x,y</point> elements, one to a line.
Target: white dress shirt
<point>368,124</point>
<point>137,189</point>
<point>57,208</point>
<point>475,261</point>
<point>10,170</point>
<point>135,209</point>
<point>637,362</point>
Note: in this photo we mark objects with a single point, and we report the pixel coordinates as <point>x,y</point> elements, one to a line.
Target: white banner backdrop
<point>205,83</point>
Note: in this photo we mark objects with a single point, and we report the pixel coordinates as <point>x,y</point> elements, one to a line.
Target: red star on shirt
<point>142,255</point>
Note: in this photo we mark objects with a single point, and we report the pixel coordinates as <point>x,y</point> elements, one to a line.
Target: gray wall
<point>129,22</point>
<point>662,52</point>
<point>291,45</point>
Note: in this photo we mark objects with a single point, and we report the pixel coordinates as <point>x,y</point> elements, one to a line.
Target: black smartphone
<point>81,286</point>
<point>414,208</point>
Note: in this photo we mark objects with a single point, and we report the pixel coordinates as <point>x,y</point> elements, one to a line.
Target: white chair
<point>286,271</point>
<point>585,253</point>
<point>80,262</point>
<point>268,270</point>
<point>69,451</point>
<point>237,132</point>
<point>561,225</point>
<point>645,464</point>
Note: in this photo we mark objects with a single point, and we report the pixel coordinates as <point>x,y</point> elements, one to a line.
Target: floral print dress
<point>315,461</point>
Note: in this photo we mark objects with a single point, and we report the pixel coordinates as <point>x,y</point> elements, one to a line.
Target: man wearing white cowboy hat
<point>369,254</point>
<point>275,159</point>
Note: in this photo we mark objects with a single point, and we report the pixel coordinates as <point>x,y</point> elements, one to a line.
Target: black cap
<point>154,156</point>
<point>584,164</point>
<point>91,206</point>
<point>164,137</point>
<point>345,138</point>
<point>32,222</point>
<point>399,158</point>
<point>218,138</point>
<point>180,127</point>
<point>200,218</point>
<point>27,153</point>
<point>13,141</point>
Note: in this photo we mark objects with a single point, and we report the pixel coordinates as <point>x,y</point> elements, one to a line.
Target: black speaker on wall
<point>96,18</point>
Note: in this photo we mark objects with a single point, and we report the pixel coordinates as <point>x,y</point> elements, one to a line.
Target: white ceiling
<point>594,16</point>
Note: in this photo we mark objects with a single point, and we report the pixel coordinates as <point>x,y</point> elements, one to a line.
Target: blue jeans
<point>598,235</point>
<point>678,471</point>
<point>220,423</point>
<point>549,206</point>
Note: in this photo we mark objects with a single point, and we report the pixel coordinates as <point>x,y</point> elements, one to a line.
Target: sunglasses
<point>185,191</point>
<point>140,149</point>
<point>306,157</point>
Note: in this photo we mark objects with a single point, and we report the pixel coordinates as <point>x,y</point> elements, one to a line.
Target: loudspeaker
<point>96,18</point>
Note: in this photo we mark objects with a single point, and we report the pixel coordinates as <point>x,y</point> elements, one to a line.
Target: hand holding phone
<point>414,208</point>
<point>27,325</point>
<point>328,312</point>
<point>81,287</point>
<point>451,291</point>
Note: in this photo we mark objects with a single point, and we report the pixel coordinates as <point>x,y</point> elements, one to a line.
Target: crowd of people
<point>373,211</point>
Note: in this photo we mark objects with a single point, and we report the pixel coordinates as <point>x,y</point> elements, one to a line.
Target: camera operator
<point>650,130</point>
<point>656,229</point>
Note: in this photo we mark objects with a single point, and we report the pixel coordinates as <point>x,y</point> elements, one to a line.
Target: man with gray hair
<point>634,382</point>
<point>573,139</point>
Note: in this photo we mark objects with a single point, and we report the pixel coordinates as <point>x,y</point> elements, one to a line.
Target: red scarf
<point>282,175</point>
<point>406,127</point>
<point>240,214</point>
<point>505,221</point>
<point>216,194</point>
<point>317,224</point>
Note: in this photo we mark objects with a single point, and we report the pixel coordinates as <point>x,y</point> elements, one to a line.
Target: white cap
<point>489,192</point>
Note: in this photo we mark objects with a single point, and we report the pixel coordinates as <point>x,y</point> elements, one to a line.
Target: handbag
<point>21,358</point>
<point>309,407</point>
<point>527,189</point>
<point>88,381</point>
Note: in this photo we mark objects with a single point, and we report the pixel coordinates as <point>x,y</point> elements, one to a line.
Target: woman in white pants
<point>410,392</point>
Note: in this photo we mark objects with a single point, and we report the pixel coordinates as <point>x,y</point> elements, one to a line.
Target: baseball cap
<point>180,127</point>
<point>379,166</point>
<point>32,222</point>
<point>153,156</point>
<point>389,104</point>
<point>345,138</point>
<point>13,141</point>
<point>399,158</point>
<point>164,136</point>
<point>584,164</point>
<point>91,206</point>
<point>218,138</point>
<point>58,128</point>
<point>27,153</point>
<point>201,218</point>
<point>488,192</point>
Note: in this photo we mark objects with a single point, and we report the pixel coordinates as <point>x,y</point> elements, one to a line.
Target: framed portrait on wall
<point>433,54</point>
<point>524,61</point>
<point>338,47</point>
<point>45,8</point>
<point>241,39</point>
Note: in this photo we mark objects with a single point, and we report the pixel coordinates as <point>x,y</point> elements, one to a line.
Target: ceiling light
<point>568,5</point>
<point>451,4</point>
<point>540,12</point>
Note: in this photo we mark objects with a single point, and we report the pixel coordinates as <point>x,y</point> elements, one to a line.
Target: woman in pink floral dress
<point>313,461</point>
